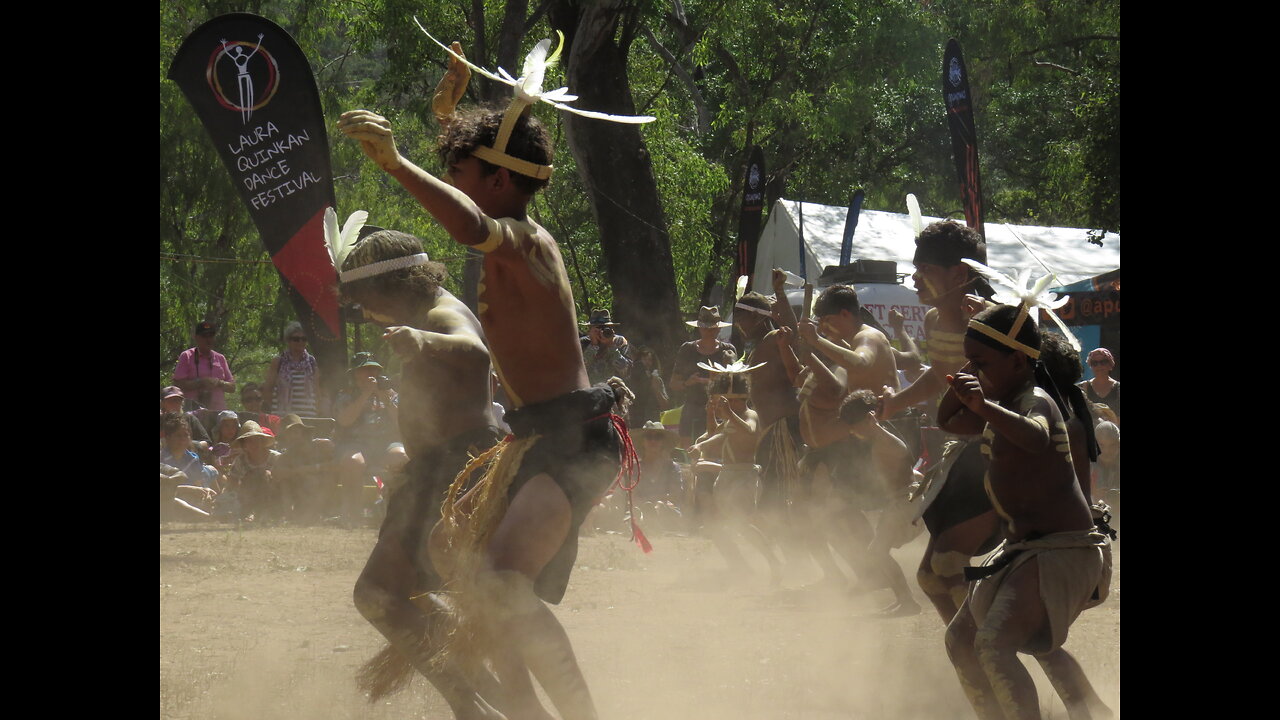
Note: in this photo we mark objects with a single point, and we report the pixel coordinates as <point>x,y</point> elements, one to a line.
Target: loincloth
<point>571,439</point>
<point>414,497</point>
<point>955,492</point>
<point>778,455</point>
<point>1070,568</point>
<point>737,490</point>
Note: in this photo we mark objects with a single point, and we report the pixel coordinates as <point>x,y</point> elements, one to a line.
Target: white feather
<point>737,366</point>
<point>1035,296</point>
<point>529,85</point>
<point>913,207</point>
<point>341,241</point>
<point>740,288</point>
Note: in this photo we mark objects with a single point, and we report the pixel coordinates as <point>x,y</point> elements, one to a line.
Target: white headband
<point>384,266</point>
<point>750,308</point>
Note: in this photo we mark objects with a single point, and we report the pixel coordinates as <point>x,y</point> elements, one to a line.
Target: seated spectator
<point>304,471</point>
<point>184,480</point>
<point>171,400</point>
<point>225,430</point>
<point>367,435</point>
<point>251,398</point>
<point>250,476</point>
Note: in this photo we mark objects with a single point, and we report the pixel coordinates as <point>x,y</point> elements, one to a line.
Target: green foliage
<point>840,94</point>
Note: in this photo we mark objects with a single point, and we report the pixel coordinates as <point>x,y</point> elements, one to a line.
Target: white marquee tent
<point>888,236</point>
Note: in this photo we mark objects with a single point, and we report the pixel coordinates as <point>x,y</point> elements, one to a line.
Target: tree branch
<point>704,117</point>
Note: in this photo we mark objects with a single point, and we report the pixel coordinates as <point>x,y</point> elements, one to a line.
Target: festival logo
<point>753,180</point>
<point>955,75</point>
<point>247,67</point>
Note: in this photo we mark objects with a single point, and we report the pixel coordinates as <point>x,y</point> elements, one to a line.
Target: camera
<point>607,332</point>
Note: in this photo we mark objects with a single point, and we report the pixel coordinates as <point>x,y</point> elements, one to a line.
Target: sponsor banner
<point>252,87</point>
<point>1092,308</point>
<point>964,140</point>
<point>850,226</point>
<point>749,220</point>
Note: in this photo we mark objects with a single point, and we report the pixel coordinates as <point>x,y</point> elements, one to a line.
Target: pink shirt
<point>212,364</point>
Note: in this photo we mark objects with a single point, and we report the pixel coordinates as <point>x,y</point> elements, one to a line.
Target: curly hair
<point>416,281</point>
<point>946,243</point>
<point>1061,360</point>
<point>468,130</point>
<point>855,406</point>
<point>836,298</point>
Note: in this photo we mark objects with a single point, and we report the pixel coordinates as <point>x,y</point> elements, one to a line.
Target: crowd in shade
<point>287,453</point>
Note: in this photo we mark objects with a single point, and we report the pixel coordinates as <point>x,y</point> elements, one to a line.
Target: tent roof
<point>888,236</point>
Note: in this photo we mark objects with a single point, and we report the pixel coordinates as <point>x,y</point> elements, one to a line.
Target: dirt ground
<point>259,623</point>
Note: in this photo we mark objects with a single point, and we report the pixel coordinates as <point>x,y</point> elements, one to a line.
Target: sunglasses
<point>298,338</point>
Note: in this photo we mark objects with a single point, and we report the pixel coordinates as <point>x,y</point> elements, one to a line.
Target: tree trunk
<point>617,173</point>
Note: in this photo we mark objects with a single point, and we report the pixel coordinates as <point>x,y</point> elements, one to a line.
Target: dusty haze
<point>260,624</point>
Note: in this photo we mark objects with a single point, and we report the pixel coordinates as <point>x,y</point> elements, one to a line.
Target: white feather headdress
<point>341,241</point>
<point>1030,296</point>
<point>737,366</point>
<point>528,91</point>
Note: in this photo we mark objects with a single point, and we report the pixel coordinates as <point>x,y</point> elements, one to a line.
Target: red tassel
<point>638,535</point>
<point>629,468</point>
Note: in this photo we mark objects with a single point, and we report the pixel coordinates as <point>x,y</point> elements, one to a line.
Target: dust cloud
<point>260,624</point>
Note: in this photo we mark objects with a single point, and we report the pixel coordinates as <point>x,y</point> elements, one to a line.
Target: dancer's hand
<point>808,331</point>
<point>405,341</point>
<point>374,133</point>
<point>968,389</point>
<point>451,87</point>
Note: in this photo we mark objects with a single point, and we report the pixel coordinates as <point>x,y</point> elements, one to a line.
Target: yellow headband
<point>1008,340</point>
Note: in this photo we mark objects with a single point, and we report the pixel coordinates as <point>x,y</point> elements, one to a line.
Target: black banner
<point>749,220</point>
<point>850,226</point>
<point>964,140</point>
<point>252,87</point>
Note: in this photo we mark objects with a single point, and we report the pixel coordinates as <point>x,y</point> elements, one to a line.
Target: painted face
<point>931,282</point>
<point>998,372</point>
<point>842,324</point>
<point>376,317</point>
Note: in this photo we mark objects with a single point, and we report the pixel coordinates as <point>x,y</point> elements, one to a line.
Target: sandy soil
<point>260,624</point>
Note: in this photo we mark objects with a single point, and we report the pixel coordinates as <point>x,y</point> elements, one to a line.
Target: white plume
<point>529,85</point>
<point>913,207</point>
<point>1016,292</point>
<point>341,241</point>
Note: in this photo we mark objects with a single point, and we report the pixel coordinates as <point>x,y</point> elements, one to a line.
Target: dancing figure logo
<point>253,70</point>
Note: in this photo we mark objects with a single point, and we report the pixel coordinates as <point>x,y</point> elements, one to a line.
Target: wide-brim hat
<point>653,428</point>
<point>291,421</point>
<point>600,318</point>
<point>363,360</point>
<point>252,429</point>
<point>708,317</point>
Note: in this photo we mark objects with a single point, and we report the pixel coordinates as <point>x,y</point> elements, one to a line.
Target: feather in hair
<point>1036,295</point>
<point>341,241</point>
<point>913,207</point>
